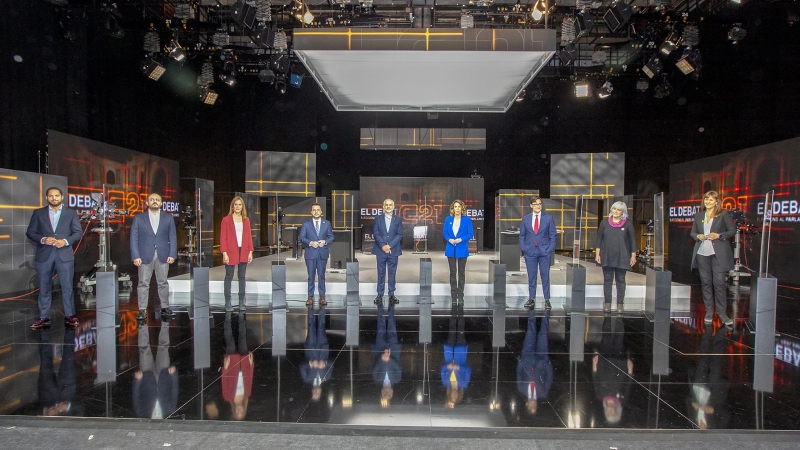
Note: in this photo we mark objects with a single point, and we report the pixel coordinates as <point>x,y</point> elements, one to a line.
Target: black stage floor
<point>706,372</point>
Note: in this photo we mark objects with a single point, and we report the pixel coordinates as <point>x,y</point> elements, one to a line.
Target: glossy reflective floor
<point>413,364</point>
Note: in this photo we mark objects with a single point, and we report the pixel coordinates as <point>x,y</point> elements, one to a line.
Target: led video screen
<point>281,173</point>
<point>593,175</point>
<point>420,202</point>
<point>742,179</point>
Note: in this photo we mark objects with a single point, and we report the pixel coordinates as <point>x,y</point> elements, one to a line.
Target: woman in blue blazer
<point>457,233</point>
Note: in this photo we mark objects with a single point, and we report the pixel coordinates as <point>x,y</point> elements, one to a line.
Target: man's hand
<point>170,260</point>
<point>137,262</point>
<point>49,241</point>
<point>321,243</point>
<point>386,249</point>
<point>60,243</point>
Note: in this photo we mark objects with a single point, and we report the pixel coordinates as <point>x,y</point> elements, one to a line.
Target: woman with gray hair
<point>617,245</point>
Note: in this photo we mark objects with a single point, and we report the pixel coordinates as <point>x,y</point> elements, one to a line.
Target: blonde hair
<point>460,202</point>
<point>244,207</point>
<point>718,207</point>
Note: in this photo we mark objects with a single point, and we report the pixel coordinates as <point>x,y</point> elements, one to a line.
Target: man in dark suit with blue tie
<point>55,229</point>
<point>316,234</point>
<point>388,232</point>
<point>153,248</point>
<point>537,241</point>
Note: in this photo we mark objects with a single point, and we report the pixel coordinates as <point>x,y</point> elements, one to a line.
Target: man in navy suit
<point>537,241</point>
<point>534,369</point>
<point>316,234</point>
<point>386,371</point>
<point>388,232</point>
<point>55,229</point>
<point>153,248</point>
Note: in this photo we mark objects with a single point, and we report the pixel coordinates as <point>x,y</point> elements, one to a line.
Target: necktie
<point>536,224</point>
<point>453,376</point>
<point>532,390</point>
<point>316,225</point>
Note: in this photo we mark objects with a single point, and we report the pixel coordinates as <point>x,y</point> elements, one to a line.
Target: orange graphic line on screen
<point>18,207</point>
<point>301,183</point>
<point>8,177</point>
<point>5,236</point>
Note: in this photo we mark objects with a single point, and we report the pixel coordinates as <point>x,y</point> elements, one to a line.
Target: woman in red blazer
<point>236,246</point>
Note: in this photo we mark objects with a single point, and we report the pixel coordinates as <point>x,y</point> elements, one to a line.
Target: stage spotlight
<point>581,89</point>
<point>568,30</point>
<point>220,39</point>
<point>279,63</point>
<point>663,90</point>
<point>653,67</point>
<point>539,10</point>
<point>266,76</point>
<point>669,45</point>
<point>605,90</point>
<point>228,73</point>
<point>152,69</point>
<point>467,21</point>
<point>691,35</point>
<point>567,54</point>
<point>583,23</point>
<point>208,96</point>
<point>736,33</point>
<point>280,42</point>
<point>618,15</point>
<point>109,21</point>
<point>642,84</point>
<point>176,52</point>
<point>690,62</point>
<point>521,96</point>
<point>280,84</point>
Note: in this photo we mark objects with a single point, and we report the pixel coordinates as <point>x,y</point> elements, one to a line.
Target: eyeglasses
<point>536,204</point>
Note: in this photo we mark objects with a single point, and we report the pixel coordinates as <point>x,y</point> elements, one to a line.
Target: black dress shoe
<point>393,300</point>
<point>378,300</point>
<point>547,305</point>
<point>530,304</point>
<point>142,315</point>
<point>167,312</point>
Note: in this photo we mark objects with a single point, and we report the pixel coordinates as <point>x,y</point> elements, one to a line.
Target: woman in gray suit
<point>712,229</point>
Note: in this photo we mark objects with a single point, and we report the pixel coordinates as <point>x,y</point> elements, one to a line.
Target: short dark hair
<point>53,188</point>
<point>535,198</point>
<point>316,204</point>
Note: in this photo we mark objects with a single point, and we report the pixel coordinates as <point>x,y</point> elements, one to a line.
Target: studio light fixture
<point>467,21</point>
<point>175,51</point>
<point>280,83</point>
<point>228,73</point>
<point>664,89</point>
<point>642,84</point>
<point>669,45</point>
<point>581,89</point>
<point>568,54</point>
<point>207,96</point>
<point>539,10</point>
<point>605,90</point>
<point>736,33</point>
<point>653,67</point>
<point>690,62</point>
<point>151,43</point>
<point>152,69</point>
<point>266,75</point>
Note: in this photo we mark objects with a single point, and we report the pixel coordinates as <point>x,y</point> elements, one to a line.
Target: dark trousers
<point>317,347</point>
<point>239,345</point>
<point>540,264</point>
<point>609,274</point>
<point>536,343</point>
<point>386,262</point>
<point>457,287</point>
<point>241,270</point>
<point>387,330</point>
<point>65,271</point>
<point>316,269</point>
<point>715,285</point>
<point>456,336</point>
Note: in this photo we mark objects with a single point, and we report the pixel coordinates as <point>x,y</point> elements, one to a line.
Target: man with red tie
<point>537,241</point>
<point>534,369</point>
<point>316,234</point>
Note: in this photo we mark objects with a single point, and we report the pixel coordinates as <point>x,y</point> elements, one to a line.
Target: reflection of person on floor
<point>316,369</point>
<point>56,392</point>
<point>708,389</point>
<point>386,370</point>
<point>455,371</point>
<point>612,369</point>
<point>237,369</point>
<point>155,384</point>
<point>534,369</point>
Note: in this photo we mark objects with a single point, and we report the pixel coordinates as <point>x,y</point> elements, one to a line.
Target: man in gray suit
<point>153,248</point>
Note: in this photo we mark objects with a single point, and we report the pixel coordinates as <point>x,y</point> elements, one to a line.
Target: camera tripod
<point>102,211</point>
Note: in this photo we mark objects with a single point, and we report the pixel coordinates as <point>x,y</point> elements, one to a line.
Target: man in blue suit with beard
<point>55,229</point>
<point>388,232</point>
<point>316,234</point>
<point>537,241</point>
